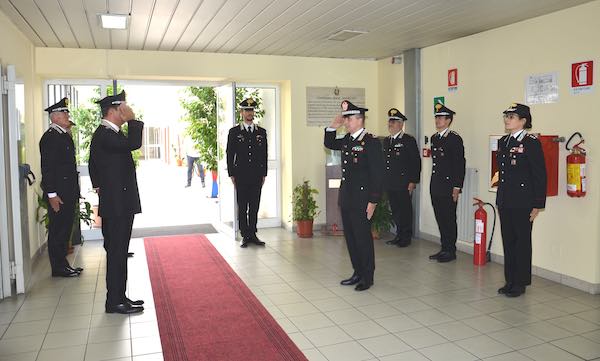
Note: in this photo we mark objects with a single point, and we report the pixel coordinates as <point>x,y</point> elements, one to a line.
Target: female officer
<point>521,195</point>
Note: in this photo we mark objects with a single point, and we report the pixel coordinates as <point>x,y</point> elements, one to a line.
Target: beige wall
<point>492,68</point>
<point>390,80</point>
<point>303,155</point>
<point>16,49</point>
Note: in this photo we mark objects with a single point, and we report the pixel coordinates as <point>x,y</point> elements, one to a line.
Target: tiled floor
<point>417,309</point>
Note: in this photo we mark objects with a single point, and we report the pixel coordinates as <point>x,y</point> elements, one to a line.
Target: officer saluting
<point>247,168</point>
<point>447,177</point>
<point>360,189</point>
<point>402,173</point>
<point>521,195</point>
<point>60,184</point>
<point>112,172</point>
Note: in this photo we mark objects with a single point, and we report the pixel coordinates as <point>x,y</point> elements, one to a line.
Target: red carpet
<point>205,311</point>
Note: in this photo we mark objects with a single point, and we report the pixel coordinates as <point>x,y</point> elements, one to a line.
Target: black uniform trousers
<point>248,200</point>
<point>516,240</point>
<point>402,213</point>
<point>444,209</point>
<point>117,234</point>
<point>357,231</point>
<point>59,231</point>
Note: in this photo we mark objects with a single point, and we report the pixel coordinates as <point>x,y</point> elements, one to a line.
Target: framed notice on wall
<point>323,103</point>
<point>541,88</point>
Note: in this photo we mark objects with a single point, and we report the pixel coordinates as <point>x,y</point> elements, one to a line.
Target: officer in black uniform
<point>360,189</point>
<point>247,168</point>
<point>402,173</point>
<point>521,195</point>
<point>60,184</point>
<point>112,172</point>
<point>447,177</point>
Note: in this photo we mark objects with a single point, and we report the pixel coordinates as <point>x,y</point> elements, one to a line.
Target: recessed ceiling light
<point>344,35</point>
<point>114,21</point>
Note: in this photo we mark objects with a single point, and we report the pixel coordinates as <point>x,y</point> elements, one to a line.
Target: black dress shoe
<point>65,272</point>
<point>351,281</point>
<point>362,286</point>
<point>75,269</point>
<point>504,289</point>
<point>123,308</point>
<point>403,244</point>
<point>392,241</point>
<point>245,242</point>
<point>134,303</point>
<point>256,241</point>
<point>130,254</point>
<point>436,255</point>
<point>515,292</point>
<point>446,257</point>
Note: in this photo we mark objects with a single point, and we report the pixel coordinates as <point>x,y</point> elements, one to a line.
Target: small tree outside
<point>202,127</point>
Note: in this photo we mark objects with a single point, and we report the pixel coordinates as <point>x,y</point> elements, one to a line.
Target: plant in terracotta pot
<point>382,218</point>
<point>305,209</point>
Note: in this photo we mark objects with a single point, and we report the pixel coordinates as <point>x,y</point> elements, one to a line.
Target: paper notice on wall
<point>541,88</point>
<point>324,103</point>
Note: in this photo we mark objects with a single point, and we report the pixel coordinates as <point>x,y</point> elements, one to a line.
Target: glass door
<point>226,118</point>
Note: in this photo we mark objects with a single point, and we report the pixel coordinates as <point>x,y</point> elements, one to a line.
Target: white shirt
<point>441,134</point>
<point>357,133</point>
<point>111,124</point>
<point>395,136</point>
<point>516,135</point>
<point>249,127</point>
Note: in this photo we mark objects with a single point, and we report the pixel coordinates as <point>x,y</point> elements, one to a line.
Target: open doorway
<point>172,137</point>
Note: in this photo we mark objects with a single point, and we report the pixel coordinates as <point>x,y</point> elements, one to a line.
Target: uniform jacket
<point>247,154</point>
<point>522,172</point>
<point>59,167</point>
<point>112,169</point>
<point>448,163</point>
<point>402,162</point>
<point>362,169</point>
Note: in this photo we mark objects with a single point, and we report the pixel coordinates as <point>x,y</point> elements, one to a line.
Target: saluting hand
<point>55,203</point>
<point>370,210</point>
<point>126,112</point>
<point>533,214</point>
<point>337,121</point>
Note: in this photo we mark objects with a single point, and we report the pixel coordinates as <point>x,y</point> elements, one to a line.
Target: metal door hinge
<point>13,270</point>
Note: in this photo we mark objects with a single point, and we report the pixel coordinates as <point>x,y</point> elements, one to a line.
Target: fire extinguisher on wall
<point>481,253</point>
<point>576,179</point>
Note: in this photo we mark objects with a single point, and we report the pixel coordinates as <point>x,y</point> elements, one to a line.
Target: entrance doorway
<point>162,169</point>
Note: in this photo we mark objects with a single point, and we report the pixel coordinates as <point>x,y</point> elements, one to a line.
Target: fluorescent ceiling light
<point>344,35</point>
<point>114,21</point>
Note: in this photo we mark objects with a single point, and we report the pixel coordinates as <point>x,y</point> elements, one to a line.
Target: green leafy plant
<point>201,105</point>
<point>83,213</point>
<point>303,202</point>
<point>382,217</point>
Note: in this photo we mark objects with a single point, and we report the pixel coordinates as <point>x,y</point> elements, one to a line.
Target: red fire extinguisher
<point>576,179</point>
<point>481,253</point>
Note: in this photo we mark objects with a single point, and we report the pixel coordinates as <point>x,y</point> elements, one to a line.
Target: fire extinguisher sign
<point>582,77</point>
<point>453,80</point>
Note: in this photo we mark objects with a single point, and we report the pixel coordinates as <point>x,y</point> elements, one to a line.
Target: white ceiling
<point>272,27</point>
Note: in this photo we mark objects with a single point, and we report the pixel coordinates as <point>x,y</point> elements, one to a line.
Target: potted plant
<point>382,218</point>
<point>82,213</point>
<point>304,209</point>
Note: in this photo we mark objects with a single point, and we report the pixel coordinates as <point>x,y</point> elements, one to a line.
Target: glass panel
<point>225,120</point>
<point>268,196</point>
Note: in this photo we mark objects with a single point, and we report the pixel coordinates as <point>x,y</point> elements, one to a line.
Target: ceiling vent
<point>344,35</point>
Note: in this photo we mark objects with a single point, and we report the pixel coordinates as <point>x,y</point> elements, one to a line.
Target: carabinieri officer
<point>247,167</point>
<point>447,177</point>
<point>521,195</point>
<point>402,173</point>
<point>360,189</point>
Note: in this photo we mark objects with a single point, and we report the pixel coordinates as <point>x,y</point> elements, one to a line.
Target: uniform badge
<point>399,145</point>
<point>357,148</point>
<point>344,105</point>
<point>397,153</point>
<point>355,160</point>
<point>240,137</point>
<point>513,162</point>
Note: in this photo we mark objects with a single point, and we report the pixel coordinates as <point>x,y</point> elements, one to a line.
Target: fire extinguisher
<point>576,179</point>
<point>481,253</point>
